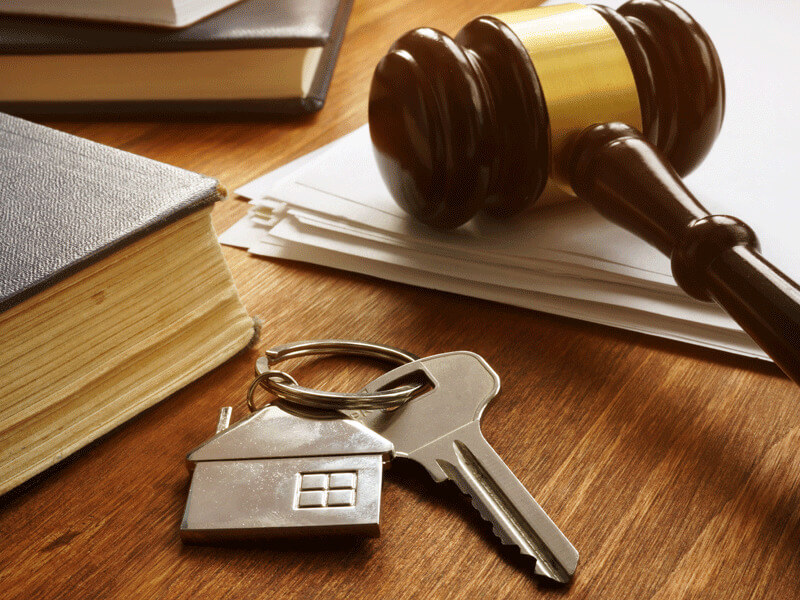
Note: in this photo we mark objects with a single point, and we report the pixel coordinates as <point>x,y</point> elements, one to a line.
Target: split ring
<point>291,391</point>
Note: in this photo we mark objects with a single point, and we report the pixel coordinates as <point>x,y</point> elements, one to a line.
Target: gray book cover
<point>66,202</point>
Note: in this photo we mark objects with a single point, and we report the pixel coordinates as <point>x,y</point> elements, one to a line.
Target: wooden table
<point>673,470</point>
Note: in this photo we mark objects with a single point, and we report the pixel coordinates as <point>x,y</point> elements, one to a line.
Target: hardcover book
<point>161,13</point>
<point>258,57</point>
<point>113,291</point>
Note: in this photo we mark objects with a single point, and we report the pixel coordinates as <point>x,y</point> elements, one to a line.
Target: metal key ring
<point>292,392</point>
<point>260,380</point>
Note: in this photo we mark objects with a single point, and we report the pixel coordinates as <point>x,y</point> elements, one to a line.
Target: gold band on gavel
<point>584,74</point>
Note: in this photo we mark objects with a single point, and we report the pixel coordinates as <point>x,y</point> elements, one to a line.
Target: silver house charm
<point>279,474</point>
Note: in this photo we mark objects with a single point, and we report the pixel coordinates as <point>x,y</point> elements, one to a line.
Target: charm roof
<point>275,433</point>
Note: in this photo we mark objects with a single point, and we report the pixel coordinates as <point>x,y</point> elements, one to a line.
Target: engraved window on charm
<point>324,490</point>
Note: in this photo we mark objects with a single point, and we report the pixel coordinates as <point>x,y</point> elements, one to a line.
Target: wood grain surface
<point>673,470</point>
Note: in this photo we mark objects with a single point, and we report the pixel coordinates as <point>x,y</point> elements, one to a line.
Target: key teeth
<point>505,539</point>
<point>484,513</point>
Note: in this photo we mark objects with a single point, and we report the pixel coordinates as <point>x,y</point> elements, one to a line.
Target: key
<point>440,429</point>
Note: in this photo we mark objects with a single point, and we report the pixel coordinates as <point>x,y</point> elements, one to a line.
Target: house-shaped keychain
<point>281,473</point>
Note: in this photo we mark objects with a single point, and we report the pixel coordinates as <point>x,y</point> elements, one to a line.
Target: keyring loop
<point>293,392</point>
<point>269,376</point>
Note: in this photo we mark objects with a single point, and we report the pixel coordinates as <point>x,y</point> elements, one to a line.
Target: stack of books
<point>248,58</point>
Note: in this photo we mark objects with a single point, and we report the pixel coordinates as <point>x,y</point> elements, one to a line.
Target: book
<point>332,208</point>
<point>113,291</point>
<point>163,13</point>
<point>258,57</point>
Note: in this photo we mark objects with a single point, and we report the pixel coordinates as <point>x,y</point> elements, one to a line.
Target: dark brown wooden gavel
<point>613,105</point>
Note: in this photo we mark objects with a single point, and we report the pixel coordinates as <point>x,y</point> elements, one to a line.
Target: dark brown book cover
<point>250,24</point>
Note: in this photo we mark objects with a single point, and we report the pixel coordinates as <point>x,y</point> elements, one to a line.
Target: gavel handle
<point>714,257</point>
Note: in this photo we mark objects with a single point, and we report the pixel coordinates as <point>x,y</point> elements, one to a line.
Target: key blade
<point>467,459</point>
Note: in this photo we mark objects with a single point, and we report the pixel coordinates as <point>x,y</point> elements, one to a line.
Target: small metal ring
<point>260,378</point>
<point>385,399</point>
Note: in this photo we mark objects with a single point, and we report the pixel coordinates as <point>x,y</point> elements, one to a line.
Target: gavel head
<point>485,119</point>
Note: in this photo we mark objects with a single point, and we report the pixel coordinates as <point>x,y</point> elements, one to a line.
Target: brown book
<point>113,291</point>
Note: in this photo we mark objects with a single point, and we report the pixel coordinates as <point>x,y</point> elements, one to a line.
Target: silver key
<point>440,429</point>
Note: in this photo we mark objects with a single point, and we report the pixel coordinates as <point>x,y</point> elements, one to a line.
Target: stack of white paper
<point>332,208</point>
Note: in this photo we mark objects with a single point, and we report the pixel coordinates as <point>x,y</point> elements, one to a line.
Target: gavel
<point>614,106</point>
